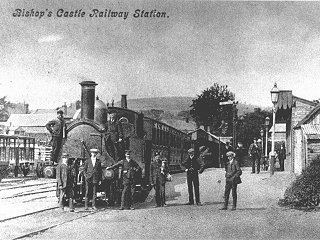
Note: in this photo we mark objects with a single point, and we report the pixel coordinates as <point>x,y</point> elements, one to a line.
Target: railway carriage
<point>17,152</point>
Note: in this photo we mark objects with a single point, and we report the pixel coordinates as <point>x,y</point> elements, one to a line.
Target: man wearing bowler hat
<point>57,129</point>
<point>92,172</point>
<point>193,165</point>
<point>130,171</point>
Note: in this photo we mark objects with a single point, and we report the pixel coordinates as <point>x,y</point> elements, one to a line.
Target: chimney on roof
<point>124,103</point>
<point>26,107</point>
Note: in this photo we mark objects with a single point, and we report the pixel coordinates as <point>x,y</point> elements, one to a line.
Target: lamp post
<point>267,121</point>
<point>274,98</point>
<point>261,134</point>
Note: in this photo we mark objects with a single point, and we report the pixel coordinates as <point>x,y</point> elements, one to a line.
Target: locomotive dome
<point>100,111</point>
<point>99,104</point>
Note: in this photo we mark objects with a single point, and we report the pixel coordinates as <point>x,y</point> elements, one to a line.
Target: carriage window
<point>167,138</point>
<point>161,137</point>
<point>154,133</point>
<point>158,136</point>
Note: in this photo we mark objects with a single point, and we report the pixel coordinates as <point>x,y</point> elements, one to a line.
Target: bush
<point>304,192</point>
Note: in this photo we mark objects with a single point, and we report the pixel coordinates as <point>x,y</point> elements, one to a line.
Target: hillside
<point>174,104</point>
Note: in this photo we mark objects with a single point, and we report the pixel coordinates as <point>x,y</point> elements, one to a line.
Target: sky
<point>247,46</point>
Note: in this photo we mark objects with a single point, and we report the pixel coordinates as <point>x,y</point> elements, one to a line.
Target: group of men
<point>256,155</point>
<point>92,171</point>
<point>194,165</point>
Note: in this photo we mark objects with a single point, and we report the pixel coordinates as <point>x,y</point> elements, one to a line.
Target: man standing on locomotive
<point>114,138</point>
<point>92,173</point>
<point>193,166</point>
<point>57,129</point>
<point>66,181</point>
<point>130,171</point>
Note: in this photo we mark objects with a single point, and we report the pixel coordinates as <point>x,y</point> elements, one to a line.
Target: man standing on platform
<point>66,178</point>
<point>255,154</point>
<point>240,154</point>
<point>93,173</point>
<point>282,156</point>
<point>226,149</point>
<point>233,173</point>
<point>130,171</point>
<point>57,129</point>
<point>158,178</point>
<point>193,166</point>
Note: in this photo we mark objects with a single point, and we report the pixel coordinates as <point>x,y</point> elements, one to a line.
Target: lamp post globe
<point>274,99</point>
<point>267,122</point>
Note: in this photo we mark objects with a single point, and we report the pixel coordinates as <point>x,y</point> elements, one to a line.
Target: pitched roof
<point>312,131</point>
<point>280,127</point>
<point>30,120</point>
<point>308,117</point>
<point>214,137</point>
<point>32,129</point>
<point>180,124</point>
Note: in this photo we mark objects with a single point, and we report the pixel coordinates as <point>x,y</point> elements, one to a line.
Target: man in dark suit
<point>240,153</point>
<point>130,171</point>
<point>93,173</point>
<point>193,166</point>
<point>282,156</point>
<point>66,178</point>
<point>233,173</point>
<point>159,172</point>
<point>57,129</point>
<point>255,155</point>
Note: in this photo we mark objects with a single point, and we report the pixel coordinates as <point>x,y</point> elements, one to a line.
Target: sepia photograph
<point>159,119</point>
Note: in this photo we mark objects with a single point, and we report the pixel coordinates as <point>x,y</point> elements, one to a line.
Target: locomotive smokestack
<point>87,99</point>
<point>124,103</point>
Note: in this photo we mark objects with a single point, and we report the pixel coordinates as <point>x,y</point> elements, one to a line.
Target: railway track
<point>25,186</point>
<point>28,210</point>
<point>43,229</point>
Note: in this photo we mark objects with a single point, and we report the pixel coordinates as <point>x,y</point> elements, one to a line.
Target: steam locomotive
<point>142,135</point>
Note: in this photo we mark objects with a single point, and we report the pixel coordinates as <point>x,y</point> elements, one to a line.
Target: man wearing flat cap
<point>130,171</point>
<point>57,129</point>
<point>193,165</point>
<point>92,173</point>
<point>233,173</point>
<point>227,148</point>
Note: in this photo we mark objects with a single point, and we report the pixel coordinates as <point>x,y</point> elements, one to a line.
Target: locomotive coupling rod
<point>96,134</point>
<point>85,147</point>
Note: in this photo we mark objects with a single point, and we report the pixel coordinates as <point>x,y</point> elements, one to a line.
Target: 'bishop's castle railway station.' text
<point>93,13</point>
